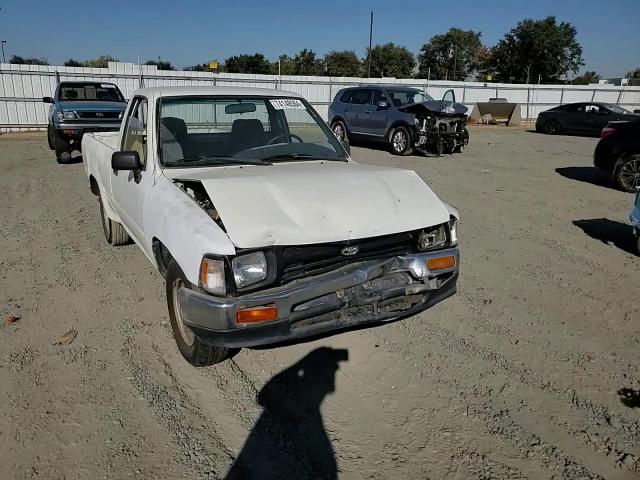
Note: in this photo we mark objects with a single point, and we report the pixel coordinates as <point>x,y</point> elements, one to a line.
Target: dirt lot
<point>520,375</point>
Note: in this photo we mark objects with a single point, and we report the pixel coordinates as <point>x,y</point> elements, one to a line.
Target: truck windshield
<point>90,92</point>
<point>215,130</point>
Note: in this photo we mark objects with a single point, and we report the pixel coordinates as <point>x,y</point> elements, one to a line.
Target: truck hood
<point>316,202</point>
<point>441,107</point>
<point>91,106</point>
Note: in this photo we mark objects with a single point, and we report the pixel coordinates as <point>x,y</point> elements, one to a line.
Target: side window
<point>361,97</point>
<point>379,95</point>
<point>346,96</point>
<point>135,132</point>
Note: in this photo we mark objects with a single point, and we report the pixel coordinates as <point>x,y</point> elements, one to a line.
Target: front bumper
<point>77,130</point>
<point>364,293</point>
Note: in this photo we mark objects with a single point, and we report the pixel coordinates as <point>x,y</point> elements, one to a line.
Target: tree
<point>244,63</point>
<point>28,60</point>
<point>454,55</point>
<point>101,62</point>
<point>306,63</point>
<point>160,65</point>
<point>635,74</point>
<point>535,49</point>
<point>73,63</point>
<point>284,65</point>
<point>390,60</point>
<point>342,64</point>
<point>586,78</point>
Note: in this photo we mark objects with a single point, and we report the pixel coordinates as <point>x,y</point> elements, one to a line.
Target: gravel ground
<point>530,371</point>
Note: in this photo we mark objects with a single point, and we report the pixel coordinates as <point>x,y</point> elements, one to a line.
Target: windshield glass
<point>403,97</point>
<point>242,129</point>
<point>617,109</point>
<point>107,92</point>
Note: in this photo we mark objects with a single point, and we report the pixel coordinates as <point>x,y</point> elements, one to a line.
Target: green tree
<point>390,60</point>
<point>306,63</point>
<point>284,65</point>
<point>256,63</point>
<point>28,60</point>
<point>454,55</point>
<point>586,78</point>
<point>635,74</point>
<point>100,62</point>
<point>342,64</point>
<point>535,49</point>
<point>160,65</point>
<point>73,63</point>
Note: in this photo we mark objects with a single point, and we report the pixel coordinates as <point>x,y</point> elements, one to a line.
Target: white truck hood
<point>316,202</point>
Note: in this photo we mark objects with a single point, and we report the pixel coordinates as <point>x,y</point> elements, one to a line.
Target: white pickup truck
<point>264,228</point>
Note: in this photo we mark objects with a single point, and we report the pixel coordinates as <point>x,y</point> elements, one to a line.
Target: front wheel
<point>62,148</point>
<point>193,348</point>
<point>465,140</point>
<point>51,137</point>
<point>400,141</point>
<point>552,127</point>
<point>628,174</point>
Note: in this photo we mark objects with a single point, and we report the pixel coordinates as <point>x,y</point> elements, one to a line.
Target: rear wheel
<point>400,141</point>
<point>193,348</point>
<point>628,174</point>
<point>552,127</point>
<point>339,130</point>
<point>114,232</point>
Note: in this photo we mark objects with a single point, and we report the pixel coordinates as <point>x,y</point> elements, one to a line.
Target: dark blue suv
<point>405,118</point>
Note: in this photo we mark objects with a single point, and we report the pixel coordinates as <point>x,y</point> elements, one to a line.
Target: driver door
<point>128,187</point>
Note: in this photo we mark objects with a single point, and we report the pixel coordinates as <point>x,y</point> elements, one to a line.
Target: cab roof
<point>207,91</point>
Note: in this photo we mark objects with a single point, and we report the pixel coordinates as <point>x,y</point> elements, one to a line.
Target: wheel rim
<point>185,332</point>
<point>399,141</point>
<point>630,174</point>
<point>338,131</point>
<point>550,127</point>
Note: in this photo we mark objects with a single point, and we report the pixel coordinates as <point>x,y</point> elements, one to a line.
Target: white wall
<point>23,86</point>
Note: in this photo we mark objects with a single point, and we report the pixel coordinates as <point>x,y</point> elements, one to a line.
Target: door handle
<point>369,111</point>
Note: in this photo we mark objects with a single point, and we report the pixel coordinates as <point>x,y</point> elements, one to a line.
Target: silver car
<point>403,117</point>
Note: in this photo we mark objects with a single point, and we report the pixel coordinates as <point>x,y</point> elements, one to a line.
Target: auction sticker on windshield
<point>287,103</point>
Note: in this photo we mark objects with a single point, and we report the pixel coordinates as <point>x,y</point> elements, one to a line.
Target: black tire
<point>627,175</point>
<point>339,129</point>
<point>400,141</point>
<point>51,139</point>
<point>465,139</point>
<point>552,127</point>
<point>114,232</point>
<point>638,245</point>
<point>193,348</point>
<point>62,148</point>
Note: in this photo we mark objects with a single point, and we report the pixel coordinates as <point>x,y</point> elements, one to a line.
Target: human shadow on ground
<point>609,232</point>
<point>289,439</point>
<point>587,175</point>
<point>630,397</point>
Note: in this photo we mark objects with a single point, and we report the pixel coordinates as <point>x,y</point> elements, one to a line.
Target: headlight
<point>212,277</point>
<point>67,116</point>
<point>433,237</point>
<point>249,269</point>
<point>453,230</point>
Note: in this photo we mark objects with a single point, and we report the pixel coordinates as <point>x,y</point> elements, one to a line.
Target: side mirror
<point>47,100</point>
<point>346,145</point>
<point>126,161</point>
<point>382,104</point>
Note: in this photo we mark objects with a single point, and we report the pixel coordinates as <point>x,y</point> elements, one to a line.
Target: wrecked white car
<point>264,228</point>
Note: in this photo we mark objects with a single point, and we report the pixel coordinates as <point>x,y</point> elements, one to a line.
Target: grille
<point>99,115</point>
<point>301,261</point>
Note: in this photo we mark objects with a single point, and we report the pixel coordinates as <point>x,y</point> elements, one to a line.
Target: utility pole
<point>370,37</point>
<point>2,42</point>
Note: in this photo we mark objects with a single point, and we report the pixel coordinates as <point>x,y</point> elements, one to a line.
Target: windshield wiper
<point>215,160</point>
<point>299,156</point>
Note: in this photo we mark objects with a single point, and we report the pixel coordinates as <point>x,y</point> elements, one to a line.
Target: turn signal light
<point>257,315</point>
<point>441,262</point>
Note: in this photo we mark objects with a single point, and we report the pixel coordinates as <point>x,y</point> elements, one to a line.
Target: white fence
<point>23,86</point>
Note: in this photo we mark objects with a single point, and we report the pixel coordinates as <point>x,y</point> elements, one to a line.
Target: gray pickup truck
<point>80,107</point>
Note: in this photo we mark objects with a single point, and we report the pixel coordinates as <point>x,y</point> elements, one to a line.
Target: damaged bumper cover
<point>363,293</point>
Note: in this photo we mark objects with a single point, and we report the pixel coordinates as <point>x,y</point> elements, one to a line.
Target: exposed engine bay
<point>440,125</point>
<point>197,192</point>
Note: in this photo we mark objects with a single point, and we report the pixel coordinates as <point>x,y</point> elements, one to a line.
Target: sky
<point>186,32</point>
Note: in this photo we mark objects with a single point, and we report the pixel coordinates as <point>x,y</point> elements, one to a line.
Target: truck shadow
<point>289,439</point>
<point>587,175</point>
<point>609,232</point>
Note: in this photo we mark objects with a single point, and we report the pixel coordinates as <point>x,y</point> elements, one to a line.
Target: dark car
<point>80,107</point>
<point>618,154</point>
<point>581,118</point>
<point>402,117</point>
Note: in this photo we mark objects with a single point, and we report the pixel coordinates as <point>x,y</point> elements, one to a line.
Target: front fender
<point>186,230</point>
